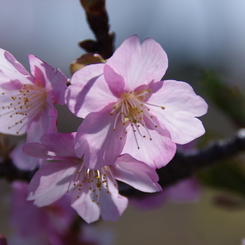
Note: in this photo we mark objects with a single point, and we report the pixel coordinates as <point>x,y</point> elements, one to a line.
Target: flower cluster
<point>132,123</point>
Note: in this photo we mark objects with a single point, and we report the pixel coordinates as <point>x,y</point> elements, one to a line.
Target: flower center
<point>93,180</point>
<point>132,110</point>
<point>23,105</point>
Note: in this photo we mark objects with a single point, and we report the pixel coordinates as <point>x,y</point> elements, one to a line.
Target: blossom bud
<point>93,6</point>
<point>85,59</point>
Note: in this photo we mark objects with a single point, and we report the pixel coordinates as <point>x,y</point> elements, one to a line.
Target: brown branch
<point>11,173</point>
<point>184,165</point>
<point>98,20</point>
<point>181,167</point>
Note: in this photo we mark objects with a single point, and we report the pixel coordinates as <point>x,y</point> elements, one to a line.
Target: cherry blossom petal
<point>88,91</point>
<point>182,106</point>
<point>179,96</point>
<point>182,128</point>
<point>61,144</point>
<point>188,190</point>
<point>156,152</point>
<point>51,220</point>
<point>10,125</point>
<point>35,149</point>
<point>22,210</point>
<point>139,63</point>
<point>82,203</point>
<point>14,122</point>
<point>23,161</point>
<point>112,205</point>
<point>51,182</point>
<point>52,79</point>
<point>27,102</point>
<point>35,119</point>
<point>115,81</point>
<point>97,140</point>
<point>45,123</point>
<point>135,173</point>
<point>12,71</point>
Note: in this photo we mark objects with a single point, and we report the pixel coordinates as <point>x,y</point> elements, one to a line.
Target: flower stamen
<point>95,180</point>
<point>134,111</point>
<point>24,105</point>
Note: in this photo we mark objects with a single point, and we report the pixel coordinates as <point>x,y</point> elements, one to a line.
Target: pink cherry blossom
<point>3,240</point>
<point>41,225</point>
<point>188,190</point>
<point>95,191</point>
<point>22,161</point>
<point>49,225</point>
<point>129,109</point>
<point>27,100</point>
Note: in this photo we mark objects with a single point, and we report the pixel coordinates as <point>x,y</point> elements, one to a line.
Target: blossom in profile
<point>129,109</point>
<point>27,100</point>
<point>94,191</point>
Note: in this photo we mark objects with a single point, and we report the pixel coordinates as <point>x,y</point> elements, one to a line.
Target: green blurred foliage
<point>227,175</point>
<point>230,99</point>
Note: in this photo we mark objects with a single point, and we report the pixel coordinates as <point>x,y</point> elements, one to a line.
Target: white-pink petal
<point>97,141</point>
<point>8,125</point>
<point>139,63</point>
<point>27,101</point>
<point>178,96</point>
<point>112,205</point>
<point>51,182</point>
<point>135,173</point>
<point>156,152</point>
<point>182,127</point>
<point>35,149</point>
<point>115,81</point>
<point>52,79</point>
<point>88,91</point>
<point>182,106</point>
<point>82,203</point>
<point>44,122</point>
<point>23,161</point>
<point>12,70</point>
<point>62,144</point>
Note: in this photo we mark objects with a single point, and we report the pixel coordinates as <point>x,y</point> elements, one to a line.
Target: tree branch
<point>98,20</point>
<point>182,166</point>
<point>11,173</point>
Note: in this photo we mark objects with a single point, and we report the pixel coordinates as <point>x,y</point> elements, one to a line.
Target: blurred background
<point>197,35</point>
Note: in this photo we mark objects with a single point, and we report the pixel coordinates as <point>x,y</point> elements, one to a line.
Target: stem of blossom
<point>11,173</point>
<point>74,235</point>
<point>184,165</point>
<point>99,23</point>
